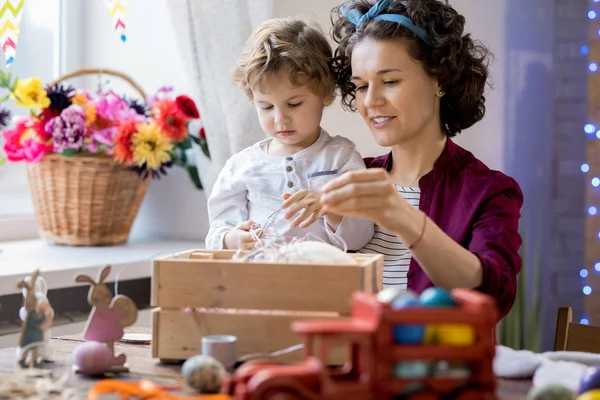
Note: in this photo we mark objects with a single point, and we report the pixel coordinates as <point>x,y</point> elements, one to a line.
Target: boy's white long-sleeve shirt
<point>251,185</point>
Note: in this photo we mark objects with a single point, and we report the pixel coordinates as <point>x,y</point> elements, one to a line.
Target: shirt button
<point>409,274</point>
<point>290,184</point>
<point>289,169</point>
<point>289,159</point>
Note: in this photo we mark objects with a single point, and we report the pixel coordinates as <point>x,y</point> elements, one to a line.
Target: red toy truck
<point>373,354</point>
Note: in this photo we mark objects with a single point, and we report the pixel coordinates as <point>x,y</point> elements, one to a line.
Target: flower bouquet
<point>90,157</point>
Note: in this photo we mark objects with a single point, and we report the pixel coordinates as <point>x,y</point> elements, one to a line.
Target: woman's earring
<point>441,93</point>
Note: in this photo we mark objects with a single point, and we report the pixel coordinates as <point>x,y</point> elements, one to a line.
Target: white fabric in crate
<point>315,252</point>
<point>300,252</point>
<point>559,367</point>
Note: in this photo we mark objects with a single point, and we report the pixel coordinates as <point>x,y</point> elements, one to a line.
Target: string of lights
<point>591,131</point>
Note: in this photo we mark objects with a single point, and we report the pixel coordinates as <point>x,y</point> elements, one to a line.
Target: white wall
<point>172,207</point>
<point>487,22</point>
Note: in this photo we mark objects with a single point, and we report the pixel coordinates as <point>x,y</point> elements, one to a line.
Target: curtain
<point>209,37</point>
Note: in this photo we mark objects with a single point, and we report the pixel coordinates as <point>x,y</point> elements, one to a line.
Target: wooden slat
<point>180,333</point>
<point>583,338</point>
<point>563,320</point>
<point>180,282</point>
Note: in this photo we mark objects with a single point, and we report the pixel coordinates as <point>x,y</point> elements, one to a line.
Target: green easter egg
<point>551,392</point>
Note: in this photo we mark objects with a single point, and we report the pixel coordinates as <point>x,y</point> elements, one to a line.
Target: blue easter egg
<point>590,379</point>
<point>407,334</point>
<point>405,300</point>
<point>436,297</point>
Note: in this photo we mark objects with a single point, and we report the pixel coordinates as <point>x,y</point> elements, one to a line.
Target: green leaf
<point>196,140</point>
<point>69,152</point>
<point>185,144</point>
<point>194,176</point>
<point>204,147</point>
<point>2,161</point>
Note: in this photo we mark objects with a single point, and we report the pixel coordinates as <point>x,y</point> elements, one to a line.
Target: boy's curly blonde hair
<point>282,44</point>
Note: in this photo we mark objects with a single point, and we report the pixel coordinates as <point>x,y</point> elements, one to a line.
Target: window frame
<point>68,47</point>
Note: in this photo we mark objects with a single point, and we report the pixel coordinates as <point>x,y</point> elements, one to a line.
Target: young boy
<point>284,70</point>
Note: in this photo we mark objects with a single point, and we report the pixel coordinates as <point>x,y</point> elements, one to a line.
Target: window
<point>39,54</point>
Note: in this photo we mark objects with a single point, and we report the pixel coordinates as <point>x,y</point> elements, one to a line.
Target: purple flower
<point>4,117</point>
<point>67,129</point>
<point>150,100</point>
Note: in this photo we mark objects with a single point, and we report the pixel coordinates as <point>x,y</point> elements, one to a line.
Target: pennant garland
<point>117,13</point>
<point>10,26</point>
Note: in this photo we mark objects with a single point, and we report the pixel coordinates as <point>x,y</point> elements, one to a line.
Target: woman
<point>443,217</point>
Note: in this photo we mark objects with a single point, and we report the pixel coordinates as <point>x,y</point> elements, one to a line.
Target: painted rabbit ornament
<point>37,316</point>
<point>109,315</point>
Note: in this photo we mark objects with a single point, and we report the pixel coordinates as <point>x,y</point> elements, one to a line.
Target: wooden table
<point>142,365</point>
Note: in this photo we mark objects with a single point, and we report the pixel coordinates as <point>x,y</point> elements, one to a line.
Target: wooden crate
<point>256,302</point>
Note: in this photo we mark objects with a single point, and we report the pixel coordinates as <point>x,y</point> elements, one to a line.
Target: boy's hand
<point>307,201</point>
<point>240,237</point>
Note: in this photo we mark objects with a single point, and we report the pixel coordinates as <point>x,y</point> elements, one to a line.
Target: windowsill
<point>60,264</point>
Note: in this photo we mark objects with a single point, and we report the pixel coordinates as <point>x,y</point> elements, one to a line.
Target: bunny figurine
<point>38,318</point>
<point>41,291</point>
<point>109,315</point>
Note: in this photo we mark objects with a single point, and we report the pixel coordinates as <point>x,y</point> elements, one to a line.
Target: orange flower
<point>122,150</point>
<point>170,119</point>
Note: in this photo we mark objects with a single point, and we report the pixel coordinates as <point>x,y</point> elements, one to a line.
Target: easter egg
<point>455,334</point>
<point>387,295</point>
<point>430,334</point>
<point>550,392</point>
<point>92,358</point>
<point>445,369</point>
<point>203,373</point>
<point>436,297</point>
<point>591,395</point>
<point>412,369</point>
<point>409,334</point>
<point>590,379</point>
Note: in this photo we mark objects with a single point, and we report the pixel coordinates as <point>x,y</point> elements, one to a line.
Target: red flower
<point>170,119</point>
<point>40,122</point>
<point>202,134</point>
<point>187,107</point>
<point>122,151</point>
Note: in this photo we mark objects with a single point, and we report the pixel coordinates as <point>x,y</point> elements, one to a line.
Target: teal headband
<point>375,12</point>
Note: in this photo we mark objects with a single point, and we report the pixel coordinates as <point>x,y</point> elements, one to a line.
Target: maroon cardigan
<point>478,208</point>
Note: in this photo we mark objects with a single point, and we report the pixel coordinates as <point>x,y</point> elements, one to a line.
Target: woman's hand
<point>306,201</point>
<point>367,194</point>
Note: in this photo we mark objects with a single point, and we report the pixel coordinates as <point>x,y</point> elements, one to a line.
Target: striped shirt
<point>396,256</point>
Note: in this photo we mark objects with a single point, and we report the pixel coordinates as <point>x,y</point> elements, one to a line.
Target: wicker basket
<point>85,200</point>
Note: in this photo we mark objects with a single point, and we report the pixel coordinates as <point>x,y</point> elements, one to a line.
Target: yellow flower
<point>150,146</point>
<point>80,99</point>
<point>90,113</point>
<point>30,93</point>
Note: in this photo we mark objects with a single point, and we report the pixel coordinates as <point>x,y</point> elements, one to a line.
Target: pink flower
<point>111,110</point>
<point>68,129</point>
<point>21,143</point>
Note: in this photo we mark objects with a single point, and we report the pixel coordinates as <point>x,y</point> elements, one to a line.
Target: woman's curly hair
<point>457,61</point>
